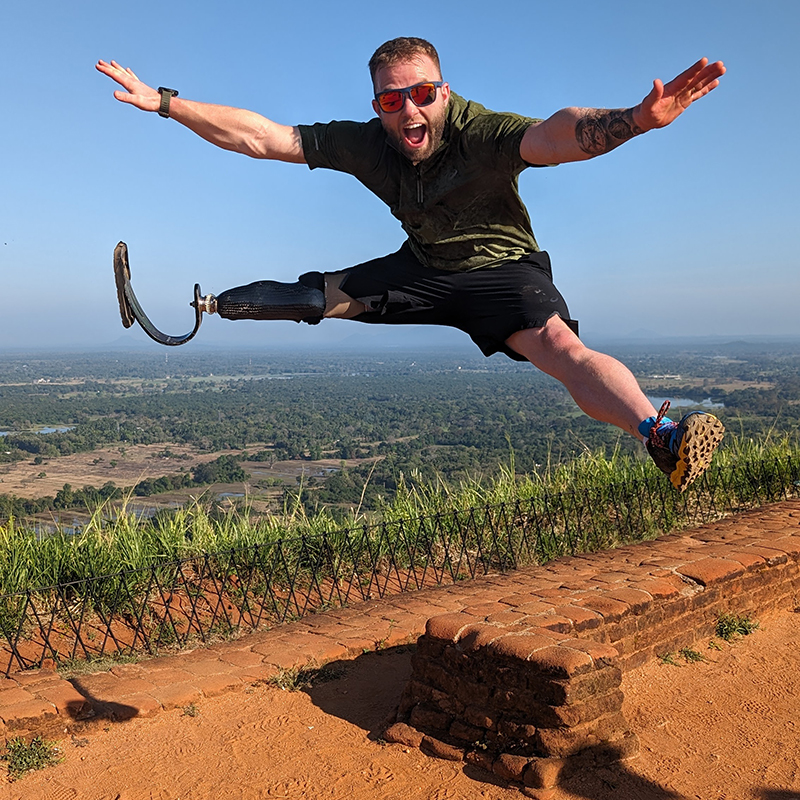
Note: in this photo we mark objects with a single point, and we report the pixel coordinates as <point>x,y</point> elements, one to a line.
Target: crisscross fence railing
<point>182,602</point>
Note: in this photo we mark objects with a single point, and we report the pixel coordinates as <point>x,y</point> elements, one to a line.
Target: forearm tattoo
<point>600,130</point>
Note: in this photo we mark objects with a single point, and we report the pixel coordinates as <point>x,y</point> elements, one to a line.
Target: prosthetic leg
<point>303,301</point>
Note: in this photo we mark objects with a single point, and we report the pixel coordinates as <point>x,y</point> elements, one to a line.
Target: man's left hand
<point>666,102</point>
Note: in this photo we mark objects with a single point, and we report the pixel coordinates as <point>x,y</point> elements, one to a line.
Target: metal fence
<point>225,594</point>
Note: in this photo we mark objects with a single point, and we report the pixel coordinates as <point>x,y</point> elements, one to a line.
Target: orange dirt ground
<point>727,728</point>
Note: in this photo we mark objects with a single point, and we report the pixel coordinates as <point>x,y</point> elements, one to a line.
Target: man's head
<point>415,130</point>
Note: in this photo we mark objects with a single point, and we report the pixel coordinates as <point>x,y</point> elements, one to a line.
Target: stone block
<point>510,767</point>
<point>400,733</point>
<point>519,646</point>
<point>448,627</point>
<point>560,661</point>
<point>439,749</point>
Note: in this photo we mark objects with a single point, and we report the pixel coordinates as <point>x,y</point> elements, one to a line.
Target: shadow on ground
<point>366,691</point>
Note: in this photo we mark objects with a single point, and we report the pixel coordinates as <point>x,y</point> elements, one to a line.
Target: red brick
<point>400,733</point>
<point>280,656</point>
<point>163,677</point>
<point>711,570</point>
<point>67,700</point>
<point>130,670</point>
<point>213,685</point>
<point>509,616</point>
<point>601,654</point>
<point>448,627</point>
<point>11,697</point>
<point>124,687</point>
<point>437,749</point>
<point>242,658</point>
<point>771,555</point>
<point>135,705</point>
<point>484,609</point>
<point>510,768</point>
<point>610,610</point>
<point>330,650</point>
<point>544,773</point>
<point>177,695</point>
<point>256,674</point>
<point>637,599</point>
<point>583,619</point>
<point>36,676</point>
<point>554,622</point>
<point>208,666</point>
<point>27,714</point>
<point>789,544</point>
<point>538,630</point>
<point>561,661</point>
<point>747,558</point>
<point>536,607</point>
<point>480,636</point>
<point>611,577</point>
<point>520,646</point>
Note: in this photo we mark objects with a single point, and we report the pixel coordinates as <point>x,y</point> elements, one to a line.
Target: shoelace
<point>655,437</point>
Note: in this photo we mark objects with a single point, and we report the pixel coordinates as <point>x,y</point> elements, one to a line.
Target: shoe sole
<point>702,434</point>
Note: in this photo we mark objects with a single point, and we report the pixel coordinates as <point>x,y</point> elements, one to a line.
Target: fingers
<point>698,80</point>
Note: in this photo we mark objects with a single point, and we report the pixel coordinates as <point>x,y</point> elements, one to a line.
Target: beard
<point>434,130</point>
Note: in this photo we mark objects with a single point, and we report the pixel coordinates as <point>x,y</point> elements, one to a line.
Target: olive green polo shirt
<point>460,206</point>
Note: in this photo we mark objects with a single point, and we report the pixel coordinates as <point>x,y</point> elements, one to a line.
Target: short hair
<point>403,48</point>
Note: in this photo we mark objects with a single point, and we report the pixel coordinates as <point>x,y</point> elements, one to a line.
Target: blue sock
<point>645,425</point>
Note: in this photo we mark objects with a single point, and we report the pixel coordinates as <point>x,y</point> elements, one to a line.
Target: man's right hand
<point>234,129</point>
<point>136,93</point>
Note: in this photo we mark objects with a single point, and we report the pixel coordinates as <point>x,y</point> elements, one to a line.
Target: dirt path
<point>726,728</point>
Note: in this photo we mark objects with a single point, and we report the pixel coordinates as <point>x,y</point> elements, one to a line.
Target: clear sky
<point>687,230</point>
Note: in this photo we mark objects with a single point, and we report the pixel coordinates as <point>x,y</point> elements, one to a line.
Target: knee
<point>554,340</point>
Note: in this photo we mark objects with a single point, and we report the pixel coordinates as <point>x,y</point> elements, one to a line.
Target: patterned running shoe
<point>683,450</point>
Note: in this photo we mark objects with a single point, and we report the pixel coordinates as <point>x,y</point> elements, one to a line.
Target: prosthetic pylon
<point>303,301</point>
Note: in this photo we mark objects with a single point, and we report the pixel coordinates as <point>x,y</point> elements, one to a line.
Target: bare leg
<point>339,305</point>
<point>603,387</point>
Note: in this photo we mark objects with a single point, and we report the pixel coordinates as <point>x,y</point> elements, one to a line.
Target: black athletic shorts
<point>488,304</point>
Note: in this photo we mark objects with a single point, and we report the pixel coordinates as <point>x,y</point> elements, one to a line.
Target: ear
<point>445,89</point>
<point>376,108</point>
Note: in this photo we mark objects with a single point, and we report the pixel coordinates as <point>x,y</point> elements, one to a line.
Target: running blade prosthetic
<point>131,311</point>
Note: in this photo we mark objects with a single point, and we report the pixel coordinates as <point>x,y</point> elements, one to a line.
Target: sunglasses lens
<point>390,101</point>
<point>423,95</point>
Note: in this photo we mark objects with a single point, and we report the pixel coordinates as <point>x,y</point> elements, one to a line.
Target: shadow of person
<point>364,691</point>
<point>612,781</point>
<point>93,708</point>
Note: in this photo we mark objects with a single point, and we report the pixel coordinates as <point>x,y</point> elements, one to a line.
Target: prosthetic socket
<point>302,301</point>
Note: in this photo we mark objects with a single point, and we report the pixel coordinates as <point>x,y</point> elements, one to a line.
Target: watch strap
<point>166,96</point>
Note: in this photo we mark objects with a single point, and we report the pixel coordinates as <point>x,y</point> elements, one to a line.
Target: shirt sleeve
<point>351,147</point>
<point>496,138</point>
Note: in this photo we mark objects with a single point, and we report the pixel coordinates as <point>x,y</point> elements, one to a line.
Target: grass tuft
<point>301,679</point>
<point>24,757</point>
<point>690,655</point>
<point>731,626</point>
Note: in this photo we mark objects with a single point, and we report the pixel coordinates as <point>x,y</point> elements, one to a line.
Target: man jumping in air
<point>448,169</point>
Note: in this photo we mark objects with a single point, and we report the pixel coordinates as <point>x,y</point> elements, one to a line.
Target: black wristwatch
<point>166,96</point>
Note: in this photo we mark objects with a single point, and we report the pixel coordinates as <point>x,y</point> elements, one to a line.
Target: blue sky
<point>688,230</point>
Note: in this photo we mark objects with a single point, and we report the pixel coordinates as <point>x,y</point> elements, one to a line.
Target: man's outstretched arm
<point>575,134</point>
<point>229,128</point>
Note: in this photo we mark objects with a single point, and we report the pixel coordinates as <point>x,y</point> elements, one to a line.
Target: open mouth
<point>415,133</point>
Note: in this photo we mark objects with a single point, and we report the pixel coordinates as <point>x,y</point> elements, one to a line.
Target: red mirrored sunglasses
<point>421,94</point>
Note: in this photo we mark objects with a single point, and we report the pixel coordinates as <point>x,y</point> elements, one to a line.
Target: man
<point>448,170</point>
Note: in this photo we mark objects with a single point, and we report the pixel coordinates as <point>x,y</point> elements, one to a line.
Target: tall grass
<point>117,540</point>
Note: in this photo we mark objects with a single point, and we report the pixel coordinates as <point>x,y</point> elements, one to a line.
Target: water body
<point>59,429</point>
<point>683,402</point>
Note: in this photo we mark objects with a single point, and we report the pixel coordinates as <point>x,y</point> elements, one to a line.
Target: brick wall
<point>528,686</point>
